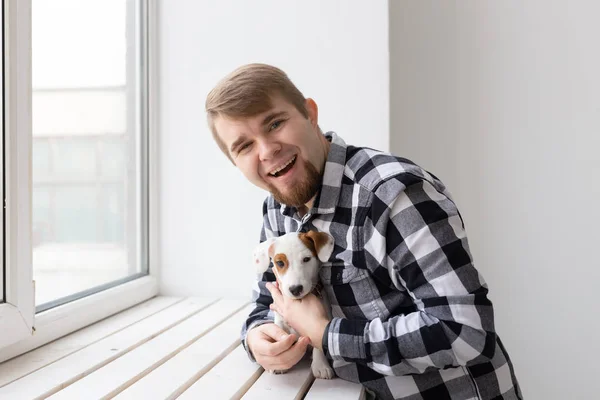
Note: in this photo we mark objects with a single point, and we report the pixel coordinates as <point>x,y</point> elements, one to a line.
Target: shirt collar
<point>331,186</point>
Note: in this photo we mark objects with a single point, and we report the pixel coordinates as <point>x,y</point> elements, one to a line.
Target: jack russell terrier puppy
<point>296,260</point>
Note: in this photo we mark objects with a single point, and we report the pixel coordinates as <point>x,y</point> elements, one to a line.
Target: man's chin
<point>301,192</point>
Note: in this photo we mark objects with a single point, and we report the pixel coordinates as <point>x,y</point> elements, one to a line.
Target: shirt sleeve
<point>261,297</point>
<point>417,236</point>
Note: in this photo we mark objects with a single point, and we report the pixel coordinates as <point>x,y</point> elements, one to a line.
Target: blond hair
<point>248,91</point>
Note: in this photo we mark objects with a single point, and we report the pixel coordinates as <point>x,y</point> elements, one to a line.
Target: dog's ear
<point>323,244</point>
<point>271,249</point>
<point>262,257</point>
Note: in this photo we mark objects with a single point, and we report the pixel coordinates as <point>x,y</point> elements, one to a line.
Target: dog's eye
<point>306,259</point>
<point>280,264</point>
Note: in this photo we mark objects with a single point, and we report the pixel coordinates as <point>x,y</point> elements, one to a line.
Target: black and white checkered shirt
<point>412,319</point>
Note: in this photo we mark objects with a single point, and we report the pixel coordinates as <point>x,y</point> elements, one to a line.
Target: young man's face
<point>279,150</point>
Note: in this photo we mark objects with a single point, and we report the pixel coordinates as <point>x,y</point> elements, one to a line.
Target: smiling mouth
<point>284,168</point>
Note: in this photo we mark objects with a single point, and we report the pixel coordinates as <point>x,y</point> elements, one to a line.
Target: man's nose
<point>268,149</point>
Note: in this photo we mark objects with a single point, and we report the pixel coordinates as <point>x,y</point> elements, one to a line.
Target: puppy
<point>296,260</point>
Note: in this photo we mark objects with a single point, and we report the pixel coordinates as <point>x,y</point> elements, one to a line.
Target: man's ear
<point>313,111</point>
<point>261,255</point>
<point>323,244</point>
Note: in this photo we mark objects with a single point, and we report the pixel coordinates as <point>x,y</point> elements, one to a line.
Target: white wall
<point>502,101</point>
<point>335,52</point>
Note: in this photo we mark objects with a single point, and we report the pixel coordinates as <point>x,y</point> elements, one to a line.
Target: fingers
<point>261,336</point>
<point>275,292</point>
<point>274,307</point>
<point>272,330</point>
<point>278,299</point>
<point>269,348</point>
<point>269,340</point>
<point>286,359</point>
<point>274,349</point>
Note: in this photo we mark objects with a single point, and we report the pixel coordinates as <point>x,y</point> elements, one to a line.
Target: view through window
<point>88,151</point>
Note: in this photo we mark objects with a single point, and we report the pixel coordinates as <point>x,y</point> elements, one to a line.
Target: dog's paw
<point>277,371</point>
<point>321,371</point>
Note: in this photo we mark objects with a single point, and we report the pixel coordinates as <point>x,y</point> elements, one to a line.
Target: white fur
<point>325,252</point>
<point>261,256</point>
<point>298,272</point>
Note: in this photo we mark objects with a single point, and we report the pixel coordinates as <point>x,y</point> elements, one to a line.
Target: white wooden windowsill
<point>164,348</point>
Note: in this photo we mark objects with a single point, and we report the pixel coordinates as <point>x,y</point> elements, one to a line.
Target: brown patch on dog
<point>280,258</point>
<point>308,242</point>
<point>314,240</point>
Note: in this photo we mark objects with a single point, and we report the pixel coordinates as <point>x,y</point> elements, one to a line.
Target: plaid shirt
<point>412,319</point>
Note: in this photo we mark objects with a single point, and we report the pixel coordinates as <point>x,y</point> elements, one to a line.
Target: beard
<point>301,192</point>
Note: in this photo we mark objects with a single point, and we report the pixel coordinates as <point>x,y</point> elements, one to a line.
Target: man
<point>411,315</point>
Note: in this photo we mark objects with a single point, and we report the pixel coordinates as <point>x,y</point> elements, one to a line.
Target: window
<point>84,133</point>
<point>16,307</point>
<point>88,147</point>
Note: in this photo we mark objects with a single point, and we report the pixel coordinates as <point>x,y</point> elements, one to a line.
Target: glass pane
<point>68,152</point>
<point>42,224</point>
<point>40,159</point>
<point>76,213</point>
<point>88,143</point>
<point>112,157</point>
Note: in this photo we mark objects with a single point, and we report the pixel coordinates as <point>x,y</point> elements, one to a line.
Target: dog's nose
<point>296,290</point>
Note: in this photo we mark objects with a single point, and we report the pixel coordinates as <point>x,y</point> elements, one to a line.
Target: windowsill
<point>163,348</point>
<point>60,321</point>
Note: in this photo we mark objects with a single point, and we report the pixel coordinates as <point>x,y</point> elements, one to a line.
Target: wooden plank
<point>177,374</point>
<point>291,385</point>
<point>335,389</point>
<point>68,318</point>
<point>113,378</point>
<point>36,359</point>
<point>48,380</point>
<point>229,379</point>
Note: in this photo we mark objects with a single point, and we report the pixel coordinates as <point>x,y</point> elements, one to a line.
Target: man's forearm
<point>404,344</point>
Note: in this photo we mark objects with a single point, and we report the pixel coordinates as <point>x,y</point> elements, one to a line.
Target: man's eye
<point>280,264</point>
<point>275,125</point>
<point>306,259</point>
<point>244,147</point>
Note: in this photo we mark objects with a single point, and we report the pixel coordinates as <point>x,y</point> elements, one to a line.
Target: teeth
<point>274,172</point>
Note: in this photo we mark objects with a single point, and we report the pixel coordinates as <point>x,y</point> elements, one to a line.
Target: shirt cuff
<point>344,340</point>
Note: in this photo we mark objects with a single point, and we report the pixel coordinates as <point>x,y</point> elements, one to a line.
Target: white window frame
<point>17,313</point>
<point>22,329</point>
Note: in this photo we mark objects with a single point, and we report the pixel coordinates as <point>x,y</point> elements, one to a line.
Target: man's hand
<point>307,315</point>
<point>274,349</point>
